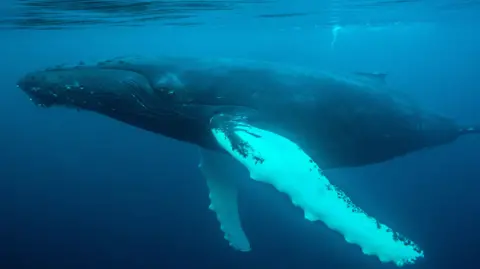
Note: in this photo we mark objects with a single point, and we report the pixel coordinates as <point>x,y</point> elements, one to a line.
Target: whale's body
<point>341,121</point>
<point>283,124</point>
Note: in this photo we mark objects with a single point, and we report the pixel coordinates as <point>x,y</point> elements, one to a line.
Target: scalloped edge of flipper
<point>293,172</point>
<point>217,171</point>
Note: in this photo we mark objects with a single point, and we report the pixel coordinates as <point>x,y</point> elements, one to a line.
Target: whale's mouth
<point>38,96</point>
<point>47,88</point>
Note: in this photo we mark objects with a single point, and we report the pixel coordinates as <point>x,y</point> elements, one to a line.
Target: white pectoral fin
<point>218,170</point>
<point>274,159</point>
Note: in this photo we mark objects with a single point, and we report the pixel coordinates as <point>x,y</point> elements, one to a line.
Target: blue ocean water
<point>79,190</point>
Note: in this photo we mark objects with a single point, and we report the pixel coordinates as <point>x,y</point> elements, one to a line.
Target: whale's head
<point>87,88</point>
<point>146,96</point>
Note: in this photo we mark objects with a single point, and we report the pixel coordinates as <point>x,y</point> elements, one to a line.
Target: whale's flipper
<point>276,160</point>
<point>218,170</point>
<point>474,129</point>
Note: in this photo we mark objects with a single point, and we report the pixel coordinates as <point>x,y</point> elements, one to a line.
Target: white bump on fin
<point>273,159</point>
<point>217,170</point>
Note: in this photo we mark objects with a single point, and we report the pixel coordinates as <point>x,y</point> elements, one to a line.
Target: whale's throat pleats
<point>275,160</point>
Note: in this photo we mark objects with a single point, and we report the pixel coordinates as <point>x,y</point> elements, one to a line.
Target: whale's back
<point>340,120</point>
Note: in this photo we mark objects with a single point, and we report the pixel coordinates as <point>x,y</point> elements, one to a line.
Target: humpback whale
<point>284,124</point>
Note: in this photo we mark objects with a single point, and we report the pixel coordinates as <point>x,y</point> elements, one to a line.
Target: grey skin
<point>338,121</point>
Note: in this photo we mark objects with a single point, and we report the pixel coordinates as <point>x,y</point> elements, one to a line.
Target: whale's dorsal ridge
<point>374,76</point>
